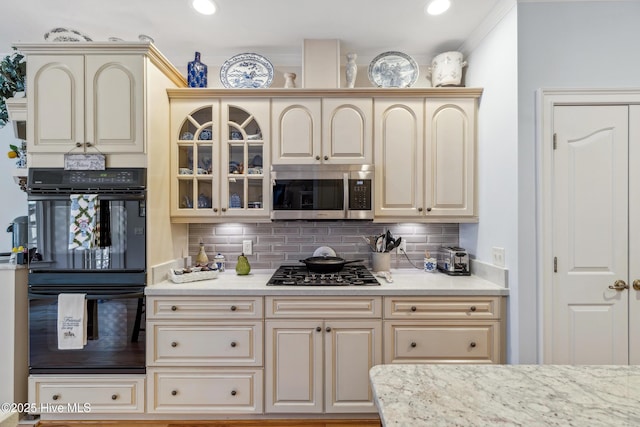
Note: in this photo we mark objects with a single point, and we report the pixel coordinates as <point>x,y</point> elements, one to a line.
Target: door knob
<point>619,285</point>
<point>636,285</point>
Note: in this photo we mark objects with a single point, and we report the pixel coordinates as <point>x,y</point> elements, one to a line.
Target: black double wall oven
<point>87,235</point>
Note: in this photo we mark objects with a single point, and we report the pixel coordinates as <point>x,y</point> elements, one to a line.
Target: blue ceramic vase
<point>197,73</point>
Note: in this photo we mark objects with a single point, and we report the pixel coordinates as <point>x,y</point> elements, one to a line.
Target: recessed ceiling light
<point>205,7</point>
<point>437,7</point>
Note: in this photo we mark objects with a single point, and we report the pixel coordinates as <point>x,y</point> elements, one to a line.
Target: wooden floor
<point>223,423</point>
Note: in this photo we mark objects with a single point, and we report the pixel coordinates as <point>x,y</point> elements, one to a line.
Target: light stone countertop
<point>507,395</point>
<point>405,282</point>
<point>9,266</point>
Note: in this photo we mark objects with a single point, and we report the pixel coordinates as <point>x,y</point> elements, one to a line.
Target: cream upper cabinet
<point>399,150</point>
<point>81,101</point>
<point>316,131</point>
<point>425,158</point>
<point>219,159</point>
<point>450,129</point>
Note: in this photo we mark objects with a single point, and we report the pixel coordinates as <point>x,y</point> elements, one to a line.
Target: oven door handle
<point>49,294</point>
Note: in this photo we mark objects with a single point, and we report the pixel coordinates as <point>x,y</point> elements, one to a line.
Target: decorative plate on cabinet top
<point>393,69</point>
<point>246,70</point>
<point>65,35</point>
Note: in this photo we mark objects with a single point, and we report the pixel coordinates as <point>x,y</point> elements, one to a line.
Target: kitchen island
<point>507,395</point>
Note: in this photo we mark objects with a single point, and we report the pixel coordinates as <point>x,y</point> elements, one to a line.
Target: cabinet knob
<point>174,308</point>
<point>472,344</point>
<point>328,329</point>
<point>472,308</point>
<point>55,397</point>
<point>419,209</point>
<point>215,209</point>
<point>233,344</point>
<point>318,328</point>
<point>87,144</point>
<point>174,392</point>
<point>428,209</point>
<point>414,308</point>
<point>619,285</point>
<point>224,209</point>
<point>326,157</point>
<point>636,285</point>
<point>317,157</point>
<point>233,392</point>
<point>174,344</point>
<point>234,308</point>
<point>114,397</point>
<point>414,344</point>
<point>78,144</point>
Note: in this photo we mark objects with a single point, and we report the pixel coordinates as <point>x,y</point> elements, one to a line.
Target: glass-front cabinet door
<point>196,159</point>
<point>220,161</point>
<point>245,158</point>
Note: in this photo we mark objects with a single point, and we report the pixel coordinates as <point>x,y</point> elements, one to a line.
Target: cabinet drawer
<point>202,390</point>
<point>88,393</point>
<point>204,308</point>
<point>410,342</point>
<point>442,308</point>
<point>323,307</point>
<point>204,343</point>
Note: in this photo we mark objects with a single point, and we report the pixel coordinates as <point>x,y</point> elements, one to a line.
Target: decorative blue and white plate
<point>246,70</point>
<point>393,69</point>
<point>66,35</point>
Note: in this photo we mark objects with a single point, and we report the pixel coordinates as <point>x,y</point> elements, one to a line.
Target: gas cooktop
<point>299,275</point>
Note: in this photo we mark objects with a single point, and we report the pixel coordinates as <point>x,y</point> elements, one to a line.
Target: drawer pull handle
<point>233,344</point>
<point>414,308</point>
<point>473,344</point>
<point>472,308</point>
<point>233,392</point>
<point>55,397</point>
<point>174,392</point>
<point>174,344</point>
<point>414,344</point>
<point>114,397</point>
<point>174,308</point>
<point>234,308</point>
<point>328,329</point>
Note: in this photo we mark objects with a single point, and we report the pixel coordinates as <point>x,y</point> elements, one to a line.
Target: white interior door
<point>590,200</point>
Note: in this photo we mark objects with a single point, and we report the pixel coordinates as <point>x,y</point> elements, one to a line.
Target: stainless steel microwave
<point>322,192</point>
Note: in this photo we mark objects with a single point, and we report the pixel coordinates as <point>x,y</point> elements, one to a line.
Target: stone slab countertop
<point>10,266</point>
<point>405,282</point>
<point>507,395</point>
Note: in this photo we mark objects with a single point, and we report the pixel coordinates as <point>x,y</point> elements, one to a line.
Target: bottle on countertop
<point>219,260</point>
<point>202,258</point>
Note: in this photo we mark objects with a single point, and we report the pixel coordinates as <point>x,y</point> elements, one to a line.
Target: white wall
<point>13,201</point>
<point>493,66</point>
<point>577,44</point>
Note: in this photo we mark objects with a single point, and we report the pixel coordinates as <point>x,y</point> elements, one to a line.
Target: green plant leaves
<point>13,71</point>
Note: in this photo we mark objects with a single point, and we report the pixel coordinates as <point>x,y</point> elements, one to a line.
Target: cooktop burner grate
<point>299,275</point>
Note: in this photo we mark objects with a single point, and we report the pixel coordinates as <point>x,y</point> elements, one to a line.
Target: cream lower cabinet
<point>425,157</point>
<point>90,394</point>
<point>444,330</point>
<point>318,353</point>
<point>204,355</point>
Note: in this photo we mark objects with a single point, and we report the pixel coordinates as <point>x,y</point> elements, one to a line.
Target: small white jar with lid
<point>219,260</point>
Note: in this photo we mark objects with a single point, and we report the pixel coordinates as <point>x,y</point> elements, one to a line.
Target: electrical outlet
<point>402,247</point>
<point>498,257</point>
<point>247,247</point>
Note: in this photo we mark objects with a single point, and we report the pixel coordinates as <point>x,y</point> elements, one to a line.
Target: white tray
<point>193,276</point>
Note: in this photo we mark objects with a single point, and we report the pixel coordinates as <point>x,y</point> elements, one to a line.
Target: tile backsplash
<point>286,242</point>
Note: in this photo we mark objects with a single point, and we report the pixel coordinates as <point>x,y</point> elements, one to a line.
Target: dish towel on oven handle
<point>72,321</point>
<point>82,221</point>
